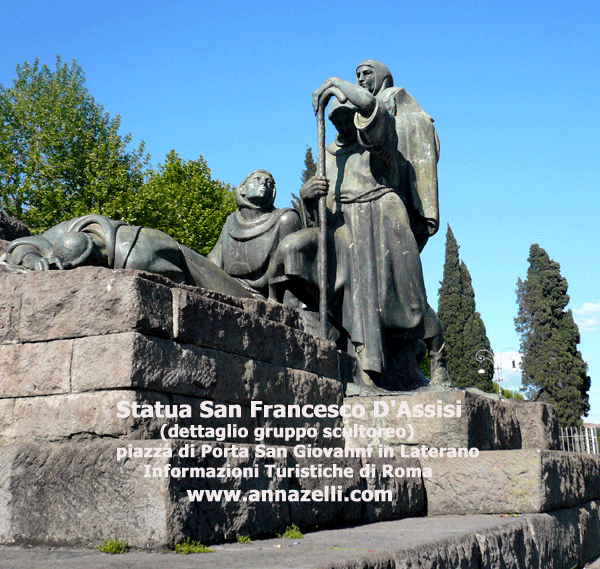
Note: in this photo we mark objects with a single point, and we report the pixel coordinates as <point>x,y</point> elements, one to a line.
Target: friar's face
<point>342,118</point>
<point>365,77</point>
<point>260,188</point>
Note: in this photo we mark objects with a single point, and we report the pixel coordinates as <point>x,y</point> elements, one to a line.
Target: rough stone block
<point>538,424</point>
<point>484,423</point>
<point>75,416</point>
<point>589,530</point>
<point>460,552</point>
<point>132,360</point>
<point>95,414</point>
<point>557,538</point>
<point>77,493</point>
<point>92,301</point>
<point>7,407</point>
<point>10,310</point>
<point>87,301</point>
<point>98,371</point>
<point>35,369</point>
<point>260,308</point>
<point>508,546</point>
<point>408,491</point>
<point>507,482</point>
<point>222,520</point>
<point>208,323</point>
<point>569,478</point>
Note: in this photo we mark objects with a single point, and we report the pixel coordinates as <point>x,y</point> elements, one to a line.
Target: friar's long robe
<point>246,246</point>
<point>375,275</point>
<point>132,247</point>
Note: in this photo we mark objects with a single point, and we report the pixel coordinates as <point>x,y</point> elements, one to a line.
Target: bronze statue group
<point>380,196</point>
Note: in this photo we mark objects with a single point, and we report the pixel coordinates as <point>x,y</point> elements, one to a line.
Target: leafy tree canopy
<point>181,199</point>
<point>553,368</point>
<point>61,156</point>
<point>60,153</point>
<point>464,330</point>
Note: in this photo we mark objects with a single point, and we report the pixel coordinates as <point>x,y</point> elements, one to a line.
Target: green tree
<point>60,152</point>
<point>181,199</point>
<point>463,326</point>
<point>310,167</point>
<point>553,368</point>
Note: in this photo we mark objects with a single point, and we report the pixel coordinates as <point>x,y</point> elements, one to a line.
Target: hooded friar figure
<point>418,144</point>
<point>97,240</point>
<point>377,222</point>
<point>251,235</point>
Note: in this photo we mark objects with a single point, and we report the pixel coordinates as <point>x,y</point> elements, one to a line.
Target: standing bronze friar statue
<point>382,206</point>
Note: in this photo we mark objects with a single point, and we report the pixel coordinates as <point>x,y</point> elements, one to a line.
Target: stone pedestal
<point>75,345</point>
<point>484,423</point>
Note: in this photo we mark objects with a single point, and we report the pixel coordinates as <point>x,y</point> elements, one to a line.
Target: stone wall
<point>73,344</point>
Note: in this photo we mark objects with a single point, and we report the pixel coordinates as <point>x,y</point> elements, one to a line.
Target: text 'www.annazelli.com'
<point>327,494</point>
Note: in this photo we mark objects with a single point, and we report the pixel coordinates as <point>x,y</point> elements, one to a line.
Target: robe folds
<point>375,280</point>
<point>245,246</point>
<point>131,247</point>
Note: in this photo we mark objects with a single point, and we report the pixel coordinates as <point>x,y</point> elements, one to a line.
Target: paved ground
<point>362,547</point>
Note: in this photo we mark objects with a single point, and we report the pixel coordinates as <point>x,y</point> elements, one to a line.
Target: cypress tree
<point>310,167</point>
<point>553,368</point>
<point>463,326</point>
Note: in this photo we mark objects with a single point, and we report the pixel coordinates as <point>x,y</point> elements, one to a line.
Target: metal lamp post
<point>486,355</point>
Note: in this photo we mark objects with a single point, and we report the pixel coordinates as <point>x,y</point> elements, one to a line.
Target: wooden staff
<point>324,98</point>
<point>322,250</point>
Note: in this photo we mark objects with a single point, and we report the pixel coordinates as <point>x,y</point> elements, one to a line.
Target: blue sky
<point>513,86</point>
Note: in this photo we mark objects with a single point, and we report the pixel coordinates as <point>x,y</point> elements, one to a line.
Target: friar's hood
<point>243,202</point>
<point>383,76</point>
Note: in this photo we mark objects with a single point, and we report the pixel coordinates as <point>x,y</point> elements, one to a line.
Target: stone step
<point>81,493</point>
<point>564,539</point>
<point>75,493</point>
<point>511,481</point>
<point>455,418</point>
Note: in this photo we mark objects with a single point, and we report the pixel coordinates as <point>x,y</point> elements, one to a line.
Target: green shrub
<point>292,532</point>
<point>187,546</point>
<point>112,546</point>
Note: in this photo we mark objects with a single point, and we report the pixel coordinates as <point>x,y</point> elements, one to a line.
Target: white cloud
<point>587,324</point>
<point>587,316</point>
<point>588,309</point>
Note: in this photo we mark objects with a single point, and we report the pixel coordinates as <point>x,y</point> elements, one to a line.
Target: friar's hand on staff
<point>329,88</point>
<point>314,188</point>
<point>344,91</point>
